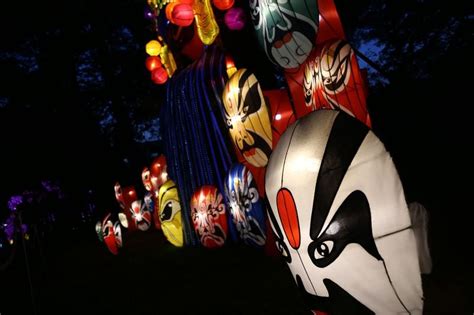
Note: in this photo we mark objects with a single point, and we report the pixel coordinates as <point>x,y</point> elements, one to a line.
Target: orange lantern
<point>223,4</point>
<point>152,62</point>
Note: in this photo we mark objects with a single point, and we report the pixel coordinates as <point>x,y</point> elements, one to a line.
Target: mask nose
<point>289,217</point>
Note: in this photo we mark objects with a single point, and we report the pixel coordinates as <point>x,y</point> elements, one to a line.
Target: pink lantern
<point>182,15</point>
<point>235,19</point>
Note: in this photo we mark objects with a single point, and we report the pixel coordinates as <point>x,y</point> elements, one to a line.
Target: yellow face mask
<point>170,213</point>
<point>247,117</point>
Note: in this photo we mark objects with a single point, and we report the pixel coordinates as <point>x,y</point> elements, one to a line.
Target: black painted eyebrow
<point>344,141</point>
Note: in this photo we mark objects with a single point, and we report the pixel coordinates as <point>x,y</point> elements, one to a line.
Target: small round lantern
<point>223,4</point>
<point>152,62</point>
<point>235,19</point>
<point>182,14</point>
<point>153,48</point>
<point>159,75</point>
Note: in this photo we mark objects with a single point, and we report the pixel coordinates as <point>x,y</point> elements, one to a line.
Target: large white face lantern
<point>340,218</point>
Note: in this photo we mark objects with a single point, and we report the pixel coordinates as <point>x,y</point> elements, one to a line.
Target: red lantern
<point>223,4</point>
<point>152,62</point>
<point>235,19</point>
<point>188,2</point>
<point>182,15</point>
<point>159,75</point>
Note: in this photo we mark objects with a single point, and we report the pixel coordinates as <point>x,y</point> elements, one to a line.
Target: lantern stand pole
<point>27,265</point>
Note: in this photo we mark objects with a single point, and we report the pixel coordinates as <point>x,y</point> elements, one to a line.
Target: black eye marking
<point>351,224</point>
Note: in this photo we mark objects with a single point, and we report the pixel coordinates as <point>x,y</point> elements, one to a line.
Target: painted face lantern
<point>146,179</point>
<point>112,234</point>
<point>125,197</point>
<point>247,117</point>
<point>140,215</point>
<point>245,206</point>
<point>208,215</point>
<point>333,80</point>
<point>285,29</point>
<point>339,213</point>
<point>158,172</point>
<point>170,213</point>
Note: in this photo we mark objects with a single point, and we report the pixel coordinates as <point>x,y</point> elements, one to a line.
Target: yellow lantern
<point>247,117</point>
<point>170,213</point>
<point>153,48</point>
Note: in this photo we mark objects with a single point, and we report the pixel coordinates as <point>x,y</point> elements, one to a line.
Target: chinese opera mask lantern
<point>140,215</point>
<point>146,179</point>
<point>209,217</point>
<point>245,206</point>
<point>339,213</point>
<point>158,172</point>
<point>286,30</point>
<point>112,234</point>
<point>247,117</point>
<point>170,213</point>
<point>98,230</point>
<point>125,197</point>
<point>333,81</point>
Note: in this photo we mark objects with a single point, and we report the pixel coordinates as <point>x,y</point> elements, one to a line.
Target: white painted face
<point>340,217</point>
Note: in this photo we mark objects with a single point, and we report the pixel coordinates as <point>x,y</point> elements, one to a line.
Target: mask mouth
<point>217,238</point>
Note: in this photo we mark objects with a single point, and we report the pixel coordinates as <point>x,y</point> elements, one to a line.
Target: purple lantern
<point>235,19</point>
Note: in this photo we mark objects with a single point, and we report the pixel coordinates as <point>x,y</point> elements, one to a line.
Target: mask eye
<point>167,211</point>
<point>323,249</point>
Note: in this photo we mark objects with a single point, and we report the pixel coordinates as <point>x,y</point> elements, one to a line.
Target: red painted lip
<point>285,39</point>
<point>250,152</point>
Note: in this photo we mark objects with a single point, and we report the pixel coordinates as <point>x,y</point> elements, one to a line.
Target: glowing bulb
<point>277,116</point>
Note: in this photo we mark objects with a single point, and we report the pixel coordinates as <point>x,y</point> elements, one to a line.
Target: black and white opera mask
<point>340,218</point>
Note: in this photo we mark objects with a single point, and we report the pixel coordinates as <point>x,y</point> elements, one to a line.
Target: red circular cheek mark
<point>289,217</point>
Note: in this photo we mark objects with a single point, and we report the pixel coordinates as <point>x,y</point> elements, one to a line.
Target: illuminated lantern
<point>140,215</point>
<point>125,197</point>
<point>170,213</point>
<point>245,206</point>
<point>334,81</point>
<point>209,217</point>
<point>340,218</point>
<point>183,15</point>
<point>188,2</point>
<point>247,117</point>
<point>98,230</point>
<point>153,48</point>
<point>235,19</point>
<point>158,172</point>
<point>119,195</point>
<point>223,4</point>
<point>146,179</point>
<point>286,30</point>
<point>159,75</point>
<point>112,234</point>
<point>205,21</point>
<point>169,11</point>
<point>152,62</point>
<point>282,112</point>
